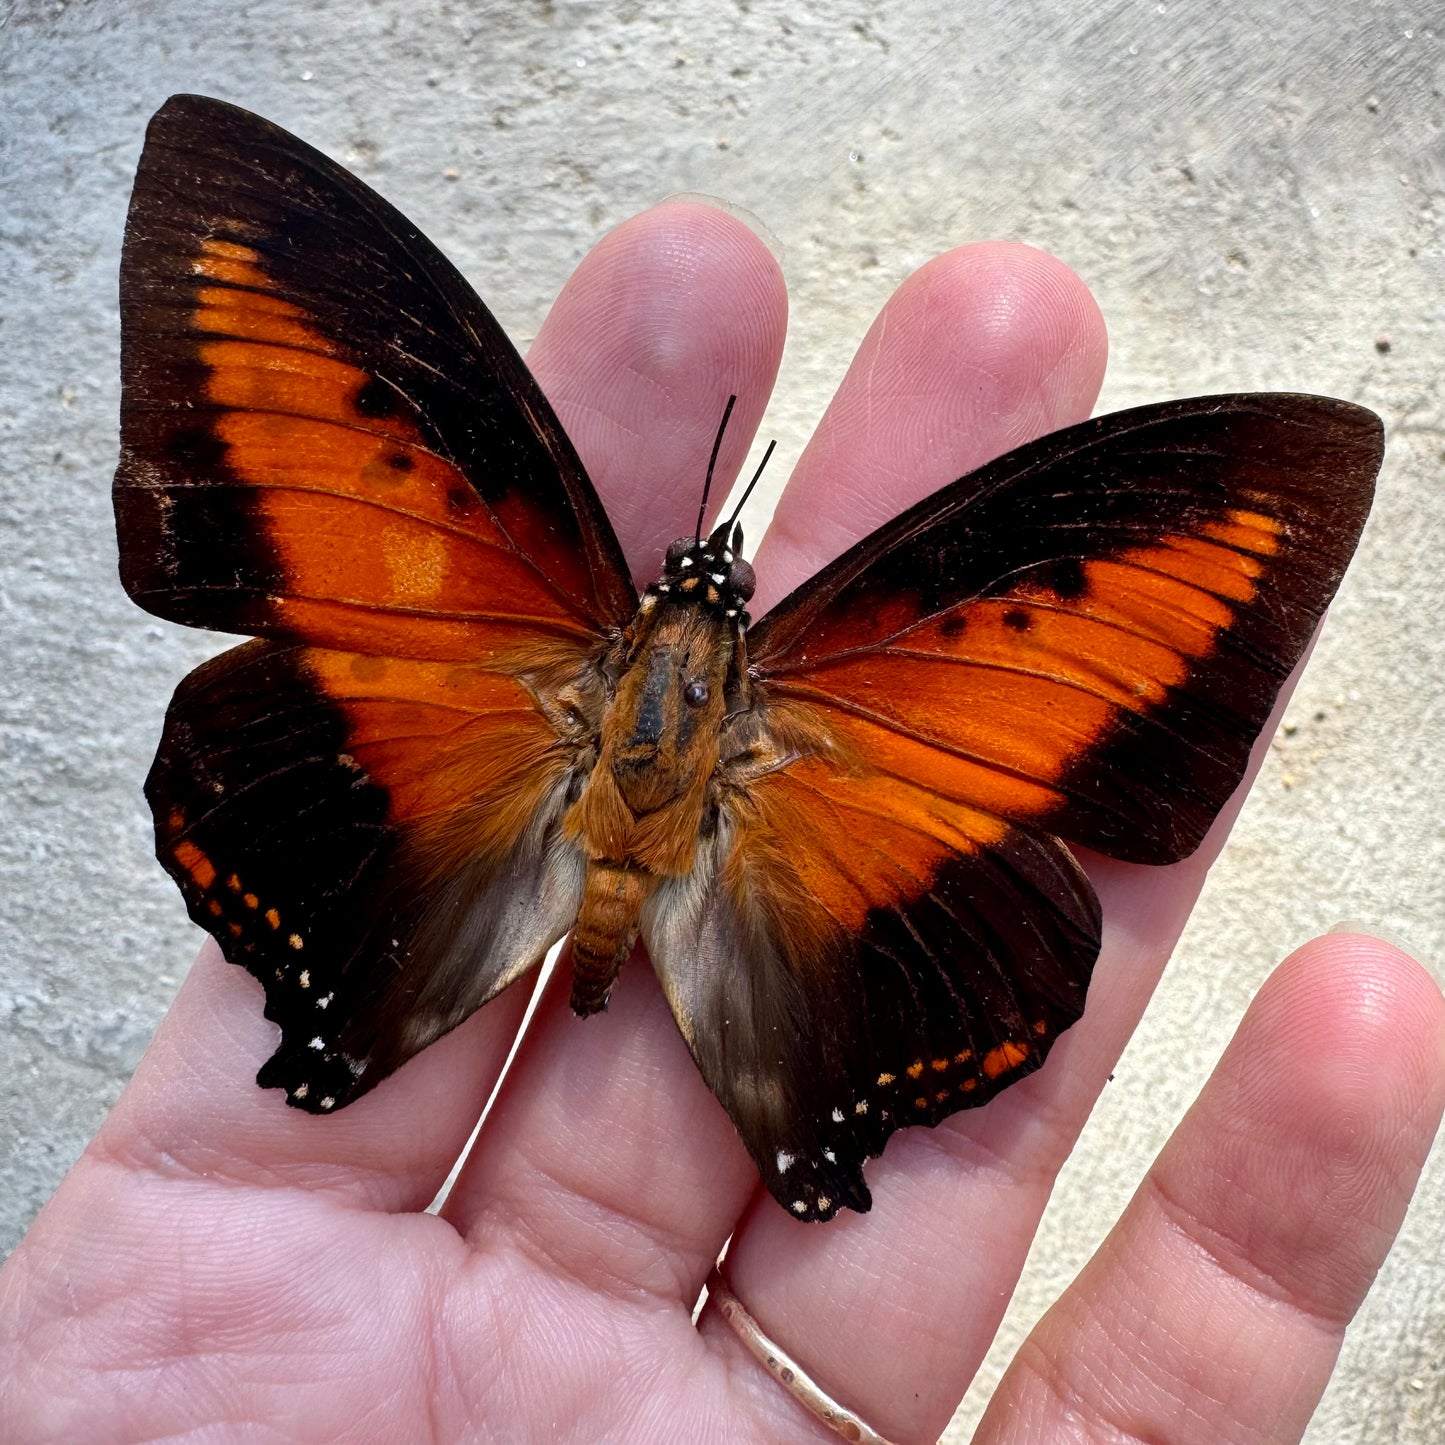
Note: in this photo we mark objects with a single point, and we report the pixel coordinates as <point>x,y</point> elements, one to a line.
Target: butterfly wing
<point>1080,640</point>
<point>327,442</point>
<point>373,838</point>
<point>323,430</point>
<point>854,954</point>
<point>1087,634</point>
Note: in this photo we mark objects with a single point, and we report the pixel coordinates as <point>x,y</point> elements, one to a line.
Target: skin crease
<point>200,1272</point>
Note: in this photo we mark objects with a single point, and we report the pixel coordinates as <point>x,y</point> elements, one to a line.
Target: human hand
<point>220,1267</point>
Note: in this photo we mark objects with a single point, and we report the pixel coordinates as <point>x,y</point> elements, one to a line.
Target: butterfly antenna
<point>748,491</point>
<point>711,463</point>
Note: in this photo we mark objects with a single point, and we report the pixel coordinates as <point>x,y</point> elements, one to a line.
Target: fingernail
<point>737,212</point>
<point>1370,930</point>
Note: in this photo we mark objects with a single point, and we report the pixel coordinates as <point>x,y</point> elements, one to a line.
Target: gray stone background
<point>1255,197</point>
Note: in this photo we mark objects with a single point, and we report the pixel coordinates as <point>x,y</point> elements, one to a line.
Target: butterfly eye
<point>696,694</point>
<point>676,551</point>
<point>744,581</point>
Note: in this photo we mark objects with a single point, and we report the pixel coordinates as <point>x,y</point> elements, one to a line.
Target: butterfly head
<point>710,575</point>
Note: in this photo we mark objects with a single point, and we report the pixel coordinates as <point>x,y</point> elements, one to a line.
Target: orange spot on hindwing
<point>200,868</point>
<point>1007,1056</point>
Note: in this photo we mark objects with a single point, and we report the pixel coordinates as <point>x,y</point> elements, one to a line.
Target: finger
<point>673,312</point>
<point>604,1142</point>
<point>662,317</point>
<point>1215,1309</point>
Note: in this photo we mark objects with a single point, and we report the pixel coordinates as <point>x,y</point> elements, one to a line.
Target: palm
<point>223,1266</point>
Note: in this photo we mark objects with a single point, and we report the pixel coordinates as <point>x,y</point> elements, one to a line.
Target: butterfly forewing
<point>324,432</point>
<point>1089,633</point>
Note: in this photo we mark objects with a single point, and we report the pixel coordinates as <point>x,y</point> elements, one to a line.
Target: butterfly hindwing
<point>1088,634</point>
<point>375,840</point>
<point>855,955</point>
<point>324,432</point>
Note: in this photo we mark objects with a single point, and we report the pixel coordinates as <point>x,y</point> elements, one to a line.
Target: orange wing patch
<point>995,700</point>
<point>362,514</point>
<point>1089,632</point>
<point>863,846</point>
<point>463,752</point>
<point>827,847</point>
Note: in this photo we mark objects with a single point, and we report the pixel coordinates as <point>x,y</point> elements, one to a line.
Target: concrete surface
<point>1257,199</point>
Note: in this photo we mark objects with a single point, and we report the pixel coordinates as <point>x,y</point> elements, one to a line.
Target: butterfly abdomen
<point>612,900</point>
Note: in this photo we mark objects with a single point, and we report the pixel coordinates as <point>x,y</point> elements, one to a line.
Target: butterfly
<point>458,733</point>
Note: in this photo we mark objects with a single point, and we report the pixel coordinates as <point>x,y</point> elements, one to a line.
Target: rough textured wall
<point>1255,194</point>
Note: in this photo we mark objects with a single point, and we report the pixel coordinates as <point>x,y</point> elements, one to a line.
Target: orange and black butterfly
<point>460,734</point>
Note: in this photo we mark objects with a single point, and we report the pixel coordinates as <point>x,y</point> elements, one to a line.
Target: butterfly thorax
<point>681,670</point>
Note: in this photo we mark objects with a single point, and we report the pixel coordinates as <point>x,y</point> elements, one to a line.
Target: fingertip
<point>670,313</point>
<point>1304,1148</point>
<point>1364,1026</point>
<point>1356,987</point>
<point>750,219</point>
<point>1024,322</point>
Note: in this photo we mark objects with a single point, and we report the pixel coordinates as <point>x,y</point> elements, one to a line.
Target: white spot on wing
<point>785,1161</point>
